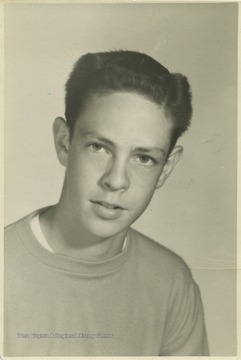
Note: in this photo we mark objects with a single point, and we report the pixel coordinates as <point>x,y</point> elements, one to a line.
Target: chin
<point>107,229</point>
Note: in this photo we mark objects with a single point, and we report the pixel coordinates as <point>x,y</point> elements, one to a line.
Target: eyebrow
<point>153,149</point>
<point>98,137</point>
<point>147,150</point>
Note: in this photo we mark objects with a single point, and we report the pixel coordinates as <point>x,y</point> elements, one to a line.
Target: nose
<point>116,176</point>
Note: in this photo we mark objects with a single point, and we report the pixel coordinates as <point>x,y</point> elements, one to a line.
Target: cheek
<point>83,172</point>
<point>141,192</point>
<point>139,200</point>
<point>145,178</point>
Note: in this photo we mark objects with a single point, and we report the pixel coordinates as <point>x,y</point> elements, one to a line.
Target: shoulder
<point>157,251</point>
<point>10,229</point>
<point>23,221</point>
<point>20,228</point>
<point>14,233</point>
<point>155,257</point>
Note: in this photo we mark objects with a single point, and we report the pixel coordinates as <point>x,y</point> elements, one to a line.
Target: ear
<point>171,162</point>
<point>61,140</point>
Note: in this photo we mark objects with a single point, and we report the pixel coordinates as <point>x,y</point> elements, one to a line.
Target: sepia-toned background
<point>194,214</point>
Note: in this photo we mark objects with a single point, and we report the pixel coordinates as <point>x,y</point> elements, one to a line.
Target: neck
<point>67,237</point>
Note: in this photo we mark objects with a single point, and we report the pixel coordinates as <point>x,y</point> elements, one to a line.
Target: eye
<point>97,147</point>
<point>146,160</point>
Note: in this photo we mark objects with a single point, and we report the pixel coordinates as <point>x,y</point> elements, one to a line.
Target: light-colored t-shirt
<point>141,302</point>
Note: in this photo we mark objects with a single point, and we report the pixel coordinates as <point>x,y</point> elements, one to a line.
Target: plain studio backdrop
<point>194,214</point>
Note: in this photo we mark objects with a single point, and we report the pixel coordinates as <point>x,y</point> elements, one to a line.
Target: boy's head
<point>124,113</point>
<point>129,71</point>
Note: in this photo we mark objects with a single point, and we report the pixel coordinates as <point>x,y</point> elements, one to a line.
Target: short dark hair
<point>129,71</point>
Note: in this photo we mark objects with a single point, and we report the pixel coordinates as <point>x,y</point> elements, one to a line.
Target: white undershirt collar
<point>38,233</point>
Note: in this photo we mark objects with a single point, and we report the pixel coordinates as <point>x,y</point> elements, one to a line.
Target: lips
<point>108,205</point>
<point>106,210</point>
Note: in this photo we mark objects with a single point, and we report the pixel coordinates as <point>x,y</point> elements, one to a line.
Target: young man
<point>78,279</point>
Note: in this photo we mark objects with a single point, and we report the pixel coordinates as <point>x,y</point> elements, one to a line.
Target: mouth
<point>106,210</point>
<point>108,205</point>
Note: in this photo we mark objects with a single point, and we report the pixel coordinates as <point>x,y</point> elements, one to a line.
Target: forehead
<point>125,115</point>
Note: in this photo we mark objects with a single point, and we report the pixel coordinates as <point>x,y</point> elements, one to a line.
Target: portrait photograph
<point>120,179</point>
